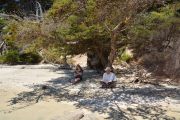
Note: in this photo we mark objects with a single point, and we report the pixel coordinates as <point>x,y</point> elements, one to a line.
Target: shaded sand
<point>22,96</point>
<point>44,110</point>
<point>17,79</point>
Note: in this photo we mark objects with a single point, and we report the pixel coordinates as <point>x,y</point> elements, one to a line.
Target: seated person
<point>78,74</point>
<point>109,79</point>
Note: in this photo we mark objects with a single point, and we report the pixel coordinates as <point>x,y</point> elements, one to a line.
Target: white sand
<point>18,79</point>
<point>14,80</point>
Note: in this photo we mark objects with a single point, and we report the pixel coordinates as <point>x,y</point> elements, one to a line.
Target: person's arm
<point>103,78</point>
<point>114,77</point>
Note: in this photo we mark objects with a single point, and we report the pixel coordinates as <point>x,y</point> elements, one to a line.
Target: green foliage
<point>163,17</point>
<point>11,57</point>
<point>151,24</point>
<point>75,27</point>
<point>85,23</point>
<point>30,58</point>
<point>2,24</point>
<point>54,55</point>
<point>124,54</point>
<point>62,7</point>
<point>80,26</point>
<point>10,34</point>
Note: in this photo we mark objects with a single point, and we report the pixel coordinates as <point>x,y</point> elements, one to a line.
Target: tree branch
<point>107,28</point>
<point>121,25</point>
<point>6,16</point>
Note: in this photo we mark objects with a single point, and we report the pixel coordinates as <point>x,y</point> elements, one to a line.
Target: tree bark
<point>100,53</point>
<point>117,30</point>
<point>112,54</point>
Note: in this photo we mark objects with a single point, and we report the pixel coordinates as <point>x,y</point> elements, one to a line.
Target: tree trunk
<point>112,54</point>
<point>65,60</point>
<point>117,30</point>
<point>101,55</point>
<point>97,59</point>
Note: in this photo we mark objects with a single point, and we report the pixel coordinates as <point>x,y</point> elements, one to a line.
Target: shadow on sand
<point>87,94</point>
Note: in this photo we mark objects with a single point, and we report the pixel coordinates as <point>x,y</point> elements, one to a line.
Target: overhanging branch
<point>6,16</point>
<point>121,25</point>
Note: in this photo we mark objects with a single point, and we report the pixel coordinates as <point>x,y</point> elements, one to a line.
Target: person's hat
<point>107,69</point>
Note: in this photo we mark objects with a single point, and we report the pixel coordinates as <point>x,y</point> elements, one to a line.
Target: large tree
<point>80,26</point>
<point>100,24</point>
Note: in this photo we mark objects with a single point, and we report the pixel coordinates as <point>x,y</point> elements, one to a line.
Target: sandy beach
<point>22,97</point>
<point>16,79</point>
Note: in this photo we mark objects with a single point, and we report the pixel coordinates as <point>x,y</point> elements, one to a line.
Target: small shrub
<point>11,57</point>
<point>30,58</point>
<point>1,59</point>
<point>126,56</point>
<point>53,55</point>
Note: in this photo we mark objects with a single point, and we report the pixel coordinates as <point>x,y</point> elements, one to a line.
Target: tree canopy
<point>104,27</point>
